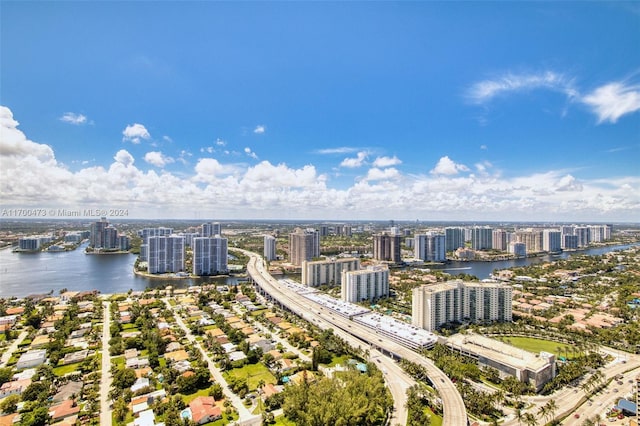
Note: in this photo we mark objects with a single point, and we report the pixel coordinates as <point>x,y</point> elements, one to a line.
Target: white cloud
<point>613,100</point>
<point>123,157</point>
<point>483,147</point>
<point>446,166</point>
<point>220,142</point>
<point>358,161</point>
<point>134,133</point>
<point>382,174</point>
<point>386,161</point>
<point>250,153</point>
<point>485,91</point>
<point>341,150</point>
<point>260,129</point>
<point>30,176</point>
<point>208,149</point>
<point>73,118</point>
<point>167,139</point>
<point>157,158</point>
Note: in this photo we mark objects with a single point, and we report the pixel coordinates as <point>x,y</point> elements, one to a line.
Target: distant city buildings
<point>327,272</point>
<point>430,247</point>
<point>458,301</point>
<point>386,247</point>
<point>104,236</point>
<point>304,245</point>
<point>365,284</point>
<point>210,229</point>
<point>209,255</point>
<point>270,248</point>
<point>454,238</point>
<point>482,238</point>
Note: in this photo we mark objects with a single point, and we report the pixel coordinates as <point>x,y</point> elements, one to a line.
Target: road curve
<point>454,412</point>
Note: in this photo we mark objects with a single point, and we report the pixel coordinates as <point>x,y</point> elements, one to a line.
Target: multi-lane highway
<point>453,405</point>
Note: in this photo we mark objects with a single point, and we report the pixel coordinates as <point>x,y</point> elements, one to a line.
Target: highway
<point>454,412</point>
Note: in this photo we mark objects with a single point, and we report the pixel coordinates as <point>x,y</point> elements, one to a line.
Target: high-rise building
<point>482,238</point>
<point>304,244</point>
<point>551,240</point>
<point>209,255</point>
<point>166,254</point>
<point>455,238</point>
<point>327,272</point>
<point>210,229</point>
<point>499,240</point>
<point>430,247</point>
<point>151,232</point>
<point>387,247</point>
<point>532,238</point>
<point>582,232</point>
<point>124,243</point>
<point>569,242</point>
<point>458,301</point>
<point>518,249</point>
<point>270,247</point>
<point>365,284</point>
<point>97,233</point>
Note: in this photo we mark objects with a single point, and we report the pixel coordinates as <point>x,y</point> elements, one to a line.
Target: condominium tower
<point>327,272</point>
<point>166,254</point>
<point>366,284</point>
<point>430,247</point>
<point>209,255</point>
<point>386,247</point>
<point>458,301</point>
<point>270,247</point>
<point>304,244</point>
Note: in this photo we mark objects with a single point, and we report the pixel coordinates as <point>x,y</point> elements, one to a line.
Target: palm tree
<point>552,407</point>
<point>519,415</point>
<point>543,412</point>
<point>530,419</point>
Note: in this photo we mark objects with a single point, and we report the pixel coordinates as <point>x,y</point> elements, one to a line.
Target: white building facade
<point>366,284</point>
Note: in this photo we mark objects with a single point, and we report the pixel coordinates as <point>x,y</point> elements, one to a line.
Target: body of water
<point>22,274</point>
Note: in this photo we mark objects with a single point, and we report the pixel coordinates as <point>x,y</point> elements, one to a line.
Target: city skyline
<point>344,111</point>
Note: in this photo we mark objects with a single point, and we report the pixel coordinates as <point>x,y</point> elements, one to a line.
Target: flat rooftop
<point>402,330</point>
<point>497,351</point>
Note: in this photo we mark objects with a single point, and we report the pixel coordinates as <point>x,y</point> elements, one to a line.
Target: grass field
<point>530,344</point>
<point>253,373</point>
<point>188,398</point>
<point>65,369</point>
<point>283,421</point>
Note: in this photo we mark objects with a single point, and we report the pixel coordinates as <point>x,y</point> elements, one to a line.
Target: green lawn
<point>188,398</point>
<point>530,344</point>
<point>283,421</point>
<point>339,360</point>
<point>253,373</point>
<point>435,419</point>
<point>118,360</point>
<point>65,369</point>
<point>3,337</point>
<point>129,327</point>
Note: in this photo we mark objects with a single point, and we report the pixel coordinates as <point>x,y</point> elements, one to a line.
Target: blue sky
<point>322,110</point>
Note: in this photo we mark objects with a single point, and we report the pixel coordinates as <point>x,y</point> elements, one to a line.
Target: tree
<point>552,407</point>
<point>10,404</point>
<point>5,375</point>
<point>530,419</point>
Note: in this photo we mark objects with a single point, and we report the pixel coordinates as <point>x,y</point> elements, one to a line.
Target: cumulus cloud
<point>73,118</point>
<point>123,157</point>
<point>486,90</point>
<point>220,142</point>
<point>386,161</point>
<point>613,100</point>
<point>260,129</point>
<point>135,133</point>
<point>31,177</point>
<point>382,174</point>
<point>250,153</point>
<point>358,161</point>
<point>157,158</point>
<point>446,166</point>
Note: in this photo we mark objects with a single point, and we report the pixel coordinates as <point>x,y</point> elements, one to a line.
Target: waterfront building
<point>209,255</point>
<point>145,233</point>
<point>29,243</point>
<point>582,232</point>
<point>188,237</point>
<point>124,243</point>
<point>454,238</point>
<point>304,244</point>
<point>532,238</point>
<point>459,301</point>
<point>551,240</point>
<point>482,238</point>
<point>533,369</point>
<point>386,247</point>
<point>365,284</point>
<point>327,272</point>
<point>97,233</point>
<point>499,240</point>
<point>570,242</point>
<point>430,247</point>
<point>270,247</point>
<point>518,249</point>
<point>166,254</point>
